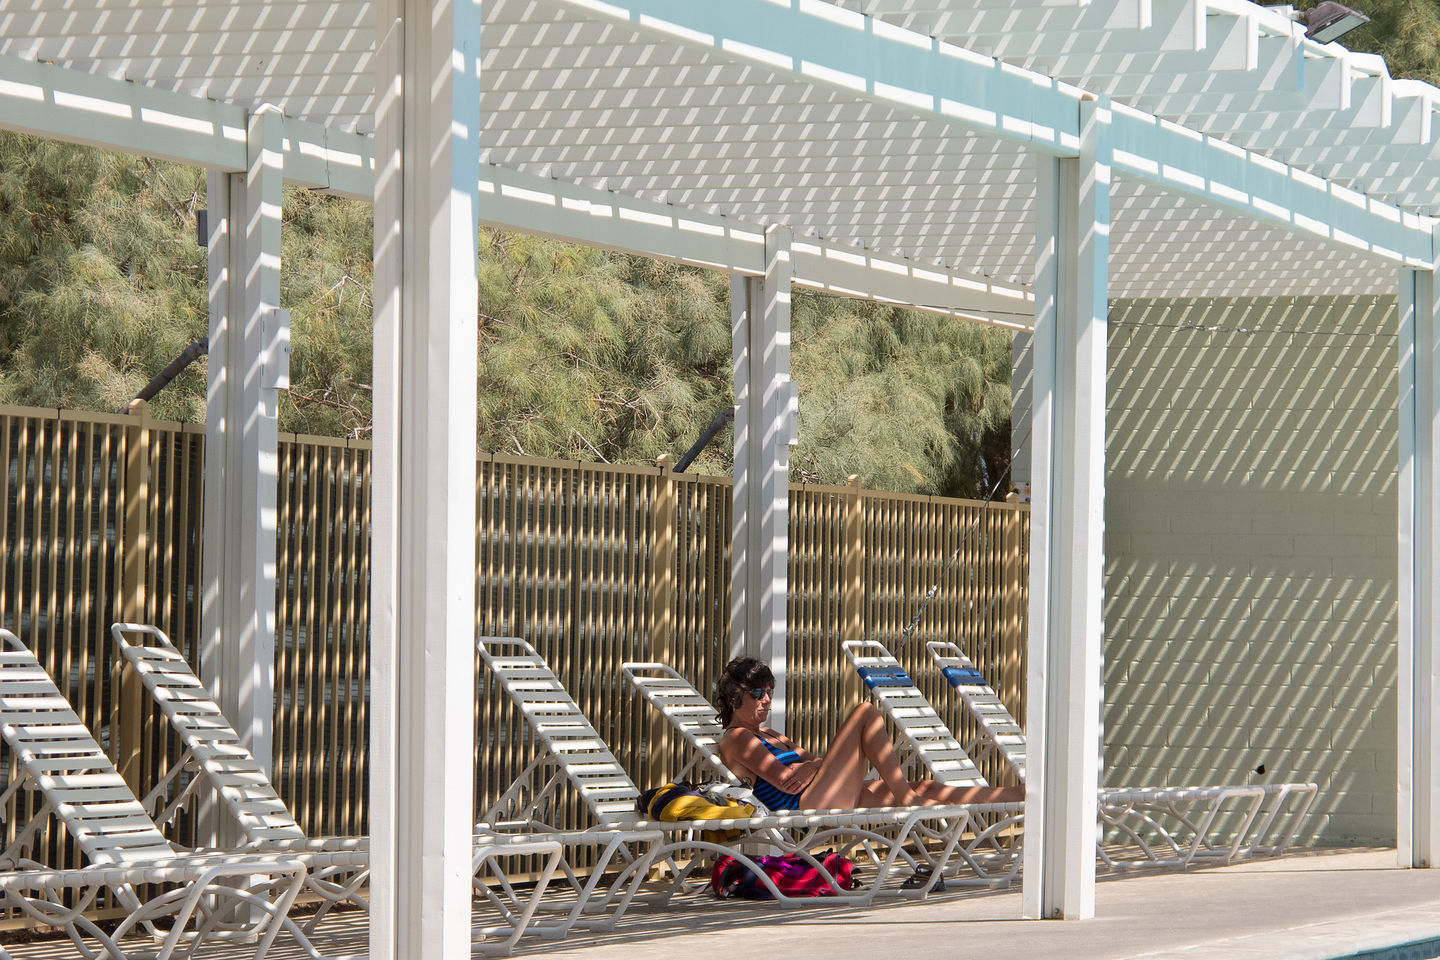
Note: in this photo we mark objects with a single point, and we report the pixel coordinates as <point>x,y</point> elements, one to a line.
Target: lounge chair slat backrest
<point>58,752</point>
<point>983,703</point>
<point>688,712</point>
<point>602,783</point>
<point>243,787</point>
<point>919,725</point>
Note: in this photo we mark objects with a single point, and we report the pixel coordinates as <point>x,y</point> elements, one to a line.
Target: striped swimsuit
<point>766,792</point>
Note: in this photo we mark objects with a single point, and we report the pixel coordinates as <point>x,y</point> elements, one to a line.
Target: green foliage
<point>908,401</point>
<point>1405,32</point>
<point>587,355</point>
<point>326,279</point>
<point>583,354</point>
<point>101,281</point>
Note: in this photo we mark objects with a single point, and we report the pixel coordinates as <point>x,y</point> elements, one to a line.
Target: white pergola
<point>1020,161</point>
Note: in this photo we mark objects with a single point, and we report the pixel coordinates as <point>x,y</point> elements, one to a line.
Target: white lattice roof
<point>598,100</point>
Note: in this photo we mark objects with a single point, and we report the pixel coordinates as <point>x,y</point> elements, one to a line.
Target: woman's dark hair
<point>739,675</point>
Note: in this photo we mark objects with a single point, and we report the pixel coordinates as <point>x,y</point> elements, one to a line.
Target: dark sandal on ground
<point>921,877</point>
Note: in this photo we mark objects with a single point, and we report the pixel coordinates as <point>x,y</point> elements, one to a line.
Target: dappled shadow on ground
<point>346,934</point>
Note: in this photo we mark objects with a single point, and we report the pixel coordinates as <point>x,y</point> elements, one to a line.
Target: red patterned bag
<point>792,875</point>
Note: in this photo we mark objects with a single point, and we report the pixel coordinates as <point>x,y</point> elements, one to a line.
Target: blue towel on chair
<point>964,676</point>
<point>884,677</point>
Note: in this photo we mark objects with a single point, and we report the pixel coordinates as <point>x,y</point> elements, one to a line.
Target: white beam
<point>1233,53</point>
<point>765,429</point>
<point>45,99</point>
<point>510,199</point>
<point>520,201</point>
<point>847,272</point>
<point>423,548</point>
<point>1418,675</point>
<point>1221,174</point>
<point>329,160</point>
<point>1172,24</point>
<point>1318,139</point>
<point>53,102</point>
<point>832,47</point>
<point>842,49</point>
<point>249,346</point>
<point>1063,686</point>
<point>1280,85</point>
<point>79,107</point>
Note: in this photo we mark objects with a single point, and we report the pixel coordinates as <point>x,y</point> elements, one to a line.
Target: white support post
<point>1067,523</point>
<point>422,777</point>
<point>249,347</point>
<point>765,429</point>
<point>1417,820</point>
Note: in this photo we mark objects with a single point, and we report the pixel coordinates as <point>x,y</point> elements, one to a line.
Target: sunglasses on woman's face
<point>760,693</point>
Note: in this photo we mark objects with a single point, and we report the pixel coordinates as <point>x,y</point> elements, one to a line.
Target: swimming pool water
<point>1419,950</point>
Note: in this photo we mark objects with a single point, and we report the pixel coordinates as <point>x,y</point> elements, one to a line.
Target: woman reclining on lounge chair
<point>787,777</point>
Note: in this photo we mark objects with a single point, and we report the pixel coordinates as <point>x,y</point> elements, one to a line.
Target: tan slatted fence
<point>58,564</point>
<point>322,616</point>
<point>102,516</point>
<point>899,548</point>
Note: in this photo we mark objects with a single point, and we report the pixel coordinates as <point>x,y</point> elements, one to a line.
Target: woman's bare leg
<point>876,793</point>
<point>840,782</point>
<point>934,792</point>
<point>862,742</point>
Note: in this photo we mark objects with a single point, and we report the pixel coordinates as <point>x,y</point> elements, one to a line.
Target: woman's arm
<point>779,739</point>
<point>746,756</point>
<point>804,754</point>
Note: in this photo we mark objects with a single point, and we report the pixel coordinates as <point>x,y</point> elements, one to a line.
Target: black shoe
<point>920,878</point>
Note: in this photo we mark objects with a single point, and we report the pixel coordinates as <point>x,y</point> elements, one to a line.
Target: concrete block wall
<point>1250,550</point>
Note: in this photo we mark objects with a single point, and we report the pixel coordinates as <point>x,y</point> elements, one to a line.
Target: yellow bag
<point>686,801</point>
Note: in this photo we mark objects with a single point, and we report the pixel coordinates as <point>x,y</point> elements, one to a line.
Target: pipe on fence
<point>196,350</point>
<point>723,417</point>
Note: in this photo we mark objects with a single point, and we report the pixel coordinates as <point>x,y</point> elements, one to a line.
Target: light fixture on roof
<point>1329,21</point>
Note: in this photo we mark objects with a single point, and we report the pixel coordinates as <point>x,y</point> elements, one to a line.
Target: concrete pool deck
<point>1307,906</point>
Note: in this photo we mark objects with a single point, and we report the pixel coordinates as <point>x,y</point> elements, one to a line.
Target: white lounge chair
<point>574,753</point>
<point>213,755</point>
<point>1171,826</point>
<point>215,758</point>
<point>924,737</point>
<point>698,723</point>
<point>1134,814</point>
<point>688,712</point>
<point>206,897</point>
<point>999,735</point>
